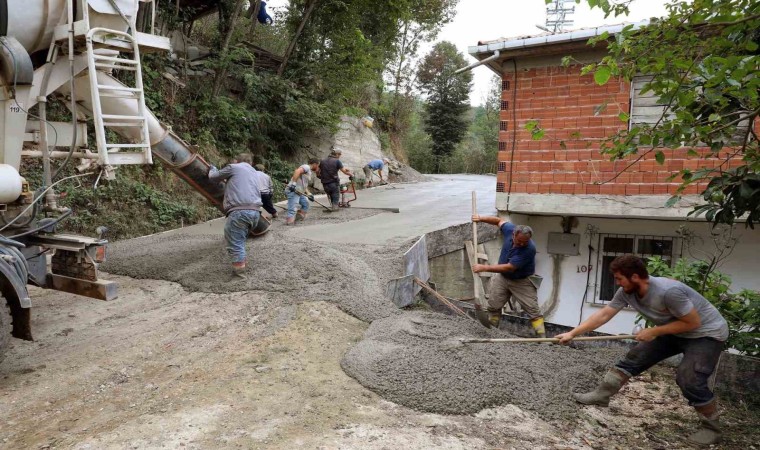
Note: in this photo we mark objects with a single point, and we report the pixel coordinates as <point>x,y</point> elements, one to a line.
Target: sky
<point>486,20</point>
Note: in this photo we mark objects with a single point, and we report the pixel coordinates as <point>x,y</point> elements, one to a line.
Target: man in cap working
<point>298,191</point>
<point>266,189</point>
<point>328,174</point>
<point>685,323</point>
<point>372,166</point>
<point>514,273</point>
<point>242,202</point>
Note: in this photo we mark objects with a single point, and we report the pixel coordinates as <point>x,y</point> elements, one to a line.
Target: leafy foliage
<point>741,310</point>
<point>704,58</point>
<point>447,96</point>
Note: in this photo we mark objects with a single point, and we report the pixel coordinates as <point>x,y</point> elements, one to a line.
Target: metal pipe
<point>58,154</point>
<point>479,63</point>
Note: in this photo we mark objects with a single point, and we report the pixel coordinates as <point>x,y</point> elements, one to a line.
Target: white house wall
<point>741,265</point>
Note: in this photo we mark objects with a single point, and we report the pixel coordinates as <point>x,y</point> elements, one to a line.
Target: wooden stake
<point>474,259</point>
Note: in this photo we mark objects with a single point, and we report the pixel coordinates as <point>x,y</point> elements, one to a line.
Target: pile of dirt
<point>405,174</point>
<point>415,360</point>
<point>291,269</point>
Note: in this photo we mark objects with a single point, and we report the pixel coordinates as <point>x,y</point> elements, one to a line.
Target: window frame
<point>676,251</point>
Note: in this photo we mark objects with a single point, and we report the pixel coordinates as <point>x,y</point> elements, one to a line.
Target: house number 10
<point>584,269</point>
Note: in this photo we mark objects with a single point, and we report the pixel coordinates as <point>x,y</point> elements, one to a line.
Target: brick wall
<point>567,159</point>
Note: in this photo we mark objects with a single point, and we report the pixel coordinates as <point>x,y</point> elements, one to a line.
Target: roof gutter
<point>585,34</point>
<point>479,63</point>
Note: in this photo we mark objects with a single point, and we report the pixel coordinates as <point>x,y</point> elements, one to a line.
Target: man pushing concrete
<point>242,202</point>
<point>328,174</point>
<point>371,167</point>
<point>514,272</point>
<point>685,323</point>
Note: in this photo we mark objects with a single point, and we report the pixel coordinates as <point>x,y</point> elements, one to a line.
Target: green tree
<point>704,58</point>
<point>447,98</point>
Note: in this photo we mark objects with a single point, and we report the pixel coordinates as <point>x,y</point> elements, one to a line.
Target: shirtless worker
<point>685,323</point>
<point>517,264</point>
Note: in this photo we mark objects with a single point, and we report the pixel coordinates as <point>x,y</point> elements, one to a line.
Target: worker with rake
<point>298,193</point>
<point>515,273</point>
<point>685,323</point>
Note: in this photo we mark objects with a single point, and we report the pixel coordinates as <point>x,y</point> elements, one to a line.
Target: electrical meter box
<point>564,244</point>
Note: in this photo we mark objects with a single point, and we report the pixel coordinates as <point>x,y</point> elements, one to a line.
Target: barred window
<point>502,166</point>
<point>504,105</point>
<point>503,125</point>
<point>502,146</point>
<point>613,245</point>
<point>504,85</point>
<point>499,187</point>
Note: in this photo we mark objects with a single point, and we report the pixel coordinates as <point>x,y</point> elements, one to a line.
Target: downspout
<point>495,55</point>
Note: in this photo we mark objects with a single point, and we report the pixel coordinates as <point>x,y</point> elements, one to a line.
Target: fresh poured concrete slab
<point>424,207</point>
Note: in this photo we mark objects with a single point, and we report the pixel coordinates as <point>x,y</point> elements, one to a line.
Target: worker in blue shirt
<point>376,165</point>
<point>515,273</point>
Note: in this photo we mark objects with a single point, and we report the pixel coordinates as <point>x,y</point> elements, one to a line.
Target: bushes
<point>741,310</point>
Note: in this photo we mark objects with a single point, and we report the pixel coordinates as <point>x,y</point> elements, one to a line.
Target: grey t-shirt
<point>666,300</point>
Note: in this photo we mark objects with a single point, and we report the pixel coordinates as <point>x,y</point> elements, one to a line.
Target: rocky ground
<point>188,357</point>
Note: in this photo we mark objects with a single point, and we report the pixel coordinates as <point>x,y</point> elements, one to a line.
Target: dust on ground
<point>217,364</point>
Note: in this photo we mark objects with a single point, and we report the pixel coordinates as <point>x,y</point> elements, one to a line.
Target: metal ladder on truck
<point>110,153</point>
<point>124,57</point>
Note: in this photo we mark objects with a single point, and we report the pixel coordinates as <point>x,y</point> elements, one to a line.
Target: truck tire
<point>5,327</point>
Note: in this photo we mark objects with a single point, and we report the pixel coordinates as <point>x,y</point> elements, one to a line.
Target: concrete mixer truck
<point>76,51</point>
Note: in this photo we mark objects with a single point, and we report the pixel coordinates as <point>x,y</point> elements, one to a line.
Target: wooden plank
<point>416,261</point>
<point>477,281</point>
<point>439,297</point>
<point>99,289</point>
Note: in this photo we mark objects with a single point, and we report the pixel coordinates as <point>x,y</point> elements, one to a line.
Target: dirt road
<point>211,363</point>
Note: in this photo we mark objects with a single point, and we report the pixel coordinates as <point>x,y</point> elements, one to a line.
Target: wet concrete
<point>425,207</point>
<point>411,360</point>
<point>347,258</point>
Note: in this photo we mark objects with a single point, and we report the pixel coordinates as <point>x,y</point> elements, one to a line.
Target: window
<point>504,105</point>
<point>503,125</point>
<point>613,245</point>
<point>502,146</point>
<point>504,85</point>
<point>499,187</point>
<point>646,108</point>
<point>502,166</point>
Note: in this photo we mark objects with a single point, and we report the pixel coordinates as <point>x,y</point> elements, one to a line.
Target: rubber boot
<point>612,382</point>
<point>538,327</point>
<point>238,272</point>
<point>494,319</point>
<point>709,431</point>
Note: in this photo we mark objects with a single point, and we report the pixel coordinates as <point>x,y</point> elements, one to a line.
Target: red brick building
<point>584,208</point>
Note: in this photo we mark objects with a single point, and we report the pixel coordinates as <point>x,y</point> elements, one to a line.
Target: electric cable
<point>42,195</point>
<point>514,131</point>
<point>47,225</point>
<point>588,280</point>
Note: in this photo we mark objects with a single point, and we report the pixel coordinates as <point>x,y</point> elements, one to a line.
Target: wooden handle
<point>518,340</point>
<point>475,241</point>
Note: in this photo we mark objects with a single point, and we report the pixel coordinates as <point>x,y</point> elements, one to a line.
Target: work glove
<point>291,188</point>
<point>351,178</point>
<point>310,197</point>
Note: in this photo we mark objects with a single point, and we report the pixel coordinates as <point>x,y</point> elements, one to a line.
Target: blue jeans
<point>239,224</point>
<point>700,356</point>
<point>295,199</point>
